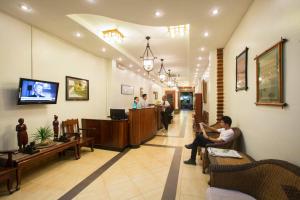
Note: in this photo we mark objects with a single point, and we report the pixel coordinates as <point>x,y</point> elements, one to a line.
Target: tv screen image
<point>37,92</point>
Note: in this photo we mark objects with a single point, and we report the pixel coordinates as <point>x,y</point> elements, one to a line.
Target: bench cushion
<point>213,193</point>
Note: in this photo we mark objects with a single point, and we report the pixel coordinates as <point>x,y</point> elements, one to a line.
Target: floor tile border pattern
<point>88,180</point>
<point>172,179</point>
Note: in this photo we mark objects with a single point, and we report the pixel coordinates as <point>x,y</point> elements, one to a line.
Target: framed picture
<point>77,89</point>
<point>127,89</point>
<point>155,95</point>
<point>141,92</point>
<point>204,91</point>
<point>269,76</point>
<point>241,71</point>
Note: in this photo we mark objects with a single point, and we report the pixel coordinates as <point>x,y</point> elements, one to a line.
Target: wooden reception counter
<point>142,125</point>
<point>109,134</point>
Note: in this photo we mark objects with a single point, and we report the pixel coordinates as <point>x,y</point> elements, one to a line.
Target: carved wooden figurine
<point>55,127</point>
<point>22,134</point>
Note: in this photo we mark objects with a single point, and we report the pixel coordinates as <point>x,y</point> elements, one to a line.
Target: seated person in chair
<point>226,133</point>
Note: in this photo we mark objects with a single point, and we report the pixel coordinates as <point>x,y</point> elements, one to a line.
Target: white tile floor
<point>139,174</point>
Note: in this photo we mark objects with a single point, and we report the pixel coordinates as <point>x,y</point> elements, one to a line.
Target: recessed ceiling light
<point>215,11</point>
<point>202,49</point>
<point>130,65</point>
<point>199,58</point>
<point>158,13</point>
<point>119,59</point>
<point>91,1</point>
<point>198,65</point>
<point>145,74</point>
<point>205,34</point>
<point>197,69</point>
<point>103,49</point>
<point>77,34</point>
<point>138,70</point>
<point>25,7</point>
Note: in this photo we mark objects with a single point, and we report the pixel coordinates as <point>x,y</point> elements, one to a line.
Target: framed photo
<point>241,71</point>
<point>127,89</point>
<point>155,95</point>
<point>141,92</point>
<point>269,76</point>
<point>77,89</point>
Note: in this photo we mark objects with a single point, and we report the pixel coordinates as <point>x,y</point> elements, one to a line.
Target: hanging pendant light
<point>148,57</point>
<point>162,72</point>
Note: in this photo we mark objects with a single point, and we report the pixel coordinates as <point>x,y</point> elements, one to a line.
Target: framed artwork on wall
<point>241,71</point>
<point>269,76</point>
<point>77,89</point>
<point>155,95</point>
<point>127,89</point>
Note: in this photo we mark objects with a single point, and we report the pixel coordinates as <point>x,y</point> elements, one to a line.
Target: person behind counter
<point>136,104</point>
<point>144,102</point>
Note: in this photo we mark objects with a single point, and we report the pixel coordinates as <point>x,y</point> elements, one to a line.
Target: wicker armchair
<point>234,143</point>
<point>265,179</point>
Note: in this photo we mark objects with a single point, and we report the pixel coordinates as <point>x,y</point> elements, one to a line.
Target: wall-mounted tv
<point>37,92</point>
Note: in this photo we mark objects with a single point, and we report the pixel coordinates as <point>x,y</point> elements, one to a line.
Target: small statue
<point>31,148</point>
<point>22,134</point>
<point>55,127</point>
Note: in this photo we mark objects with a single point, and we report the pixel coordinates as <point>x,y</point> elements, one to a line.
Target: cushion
<point>213,193</point>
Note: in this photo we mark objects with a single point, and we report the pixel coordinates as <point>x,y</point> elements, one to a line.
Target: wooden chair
<point>70,128</point>
<point>234,143</point>
<point>8,172</point>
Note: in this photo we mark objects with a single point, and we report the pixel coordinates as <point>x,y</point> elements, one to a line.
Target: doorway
<point>186,100</point>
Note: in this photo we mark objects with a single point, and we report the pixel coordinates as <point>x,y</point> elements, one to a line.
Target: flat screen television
<point>37,92</point>
<point>117,114</point>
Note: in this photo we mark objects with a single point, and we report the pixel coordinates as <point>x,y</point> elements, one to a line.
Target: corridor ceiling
<point>136,19</point>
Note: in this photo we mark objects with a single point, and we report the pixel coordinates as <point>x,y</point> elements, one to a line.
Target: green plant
<point>42,134</point>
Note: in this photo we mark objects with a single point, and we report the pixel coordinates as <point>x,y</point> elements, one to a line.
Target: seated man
<point>226,133</point>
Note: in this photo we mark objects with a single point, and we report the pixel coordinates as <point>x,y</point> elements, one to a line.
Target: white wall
<point>119,77</point>
<point>52,60</point>
<point>269,132</point>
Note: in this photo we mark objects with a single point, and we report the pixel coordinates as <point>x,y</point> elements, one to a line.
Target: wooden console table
<point>21,160</point>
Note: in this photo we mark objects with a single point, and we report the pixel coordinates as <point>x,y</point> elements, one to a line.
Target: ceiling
<point>136,19</point>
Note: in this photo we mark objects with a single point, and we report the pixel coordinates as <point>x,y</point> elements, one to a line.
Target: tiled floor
<point>140,174</point>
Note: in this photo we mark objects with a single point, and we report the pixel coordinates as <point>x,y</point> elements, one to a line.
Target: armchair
<point>234,143</point>
<point>265,179</point>
<point>70,128</point>
<point>8,172</point>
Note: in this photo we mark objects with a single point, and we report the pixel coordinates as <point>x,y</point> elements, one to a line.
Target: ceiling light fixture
<point>202,49</point>
<point>148,57</point>
<point>120,59</point>
<point>198,65</point>
<point>77,34</point>
<point>199,58</point>
<point>130,65</point>
<point>215,11</point>
<point>103,49</point>
<point>113,35</point>
<point>158,14</point>
<point>138,70</point>
<point>205,34</point>
<point>180,30</point>
<point>25,7</point>
<point>162,72</point>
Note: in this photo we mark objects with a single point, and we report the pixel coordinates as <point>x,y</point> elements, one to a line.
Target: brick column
<point>220,85</point>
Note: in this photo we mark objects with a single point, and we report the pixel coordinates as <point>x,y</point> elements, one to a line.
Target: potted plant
<point>43,134</point>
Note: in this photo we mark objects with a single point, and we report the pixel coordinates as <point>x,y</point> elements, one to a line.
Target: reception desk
<point>143,125</point>
<point>109,134</point>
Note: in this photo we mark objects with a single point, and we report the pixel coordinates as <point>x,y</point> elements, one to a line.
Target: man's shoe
<point>188,146</point>
<point>190,162</point>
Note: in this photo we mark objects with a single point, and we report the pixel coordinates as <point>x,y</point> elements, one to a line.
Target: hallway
<point>148,172</point>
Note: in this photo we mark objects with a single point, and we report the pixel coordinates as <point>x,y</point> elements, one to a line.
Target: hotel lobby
<point>102,99</point>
